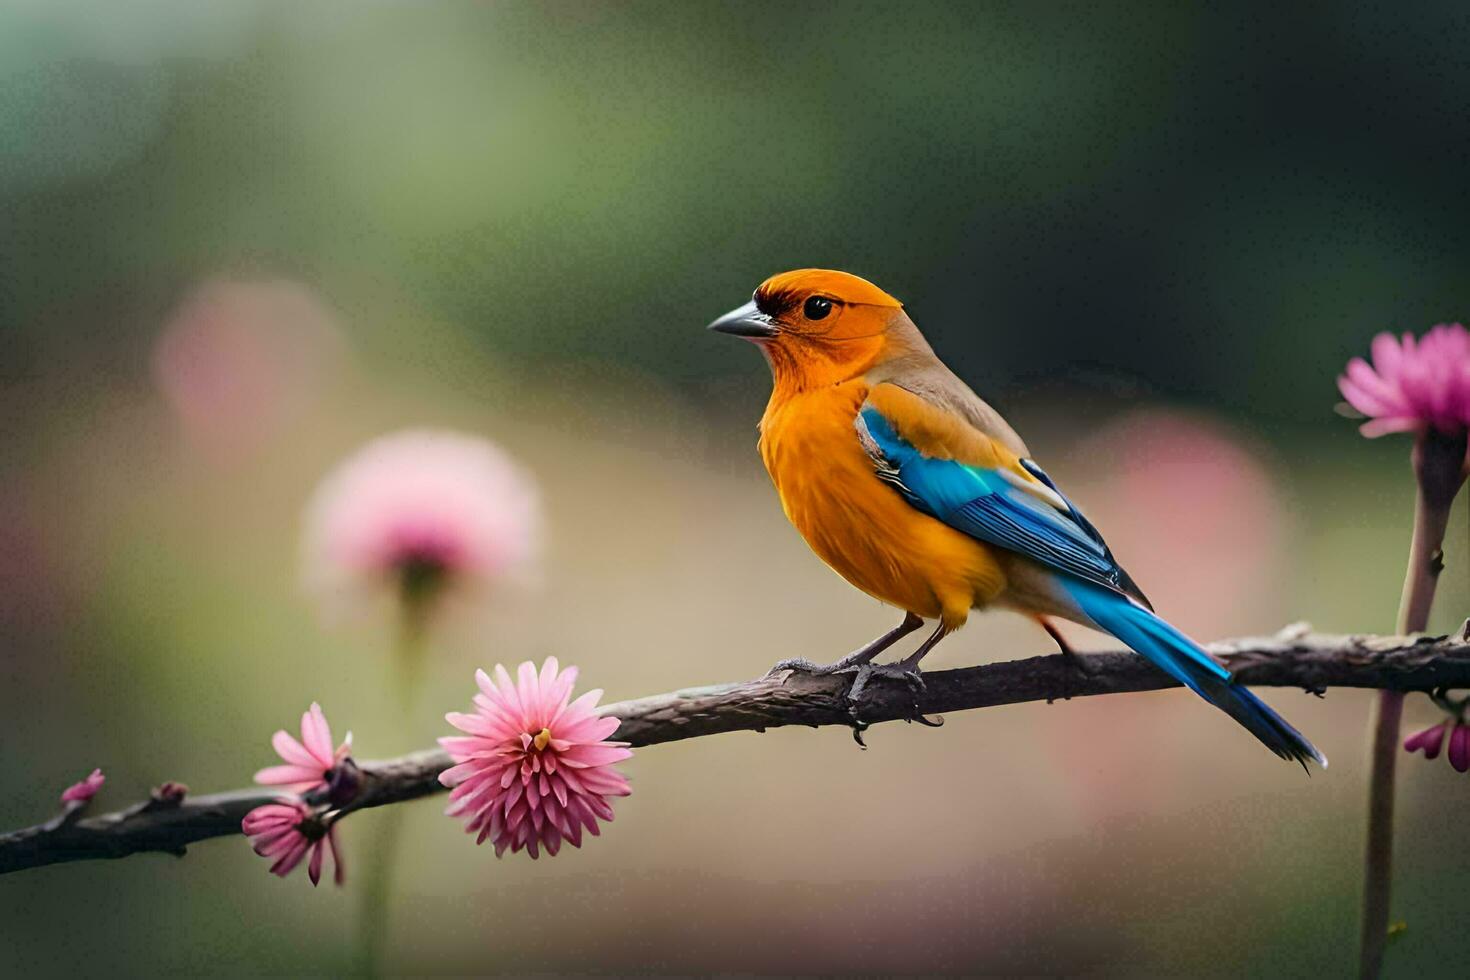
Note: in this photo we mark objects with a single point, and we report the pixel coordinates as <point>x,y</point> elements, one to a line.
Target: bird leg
<point>1074,662</point>
<point>1077,662</point>
<point>860,664</point>
<point>906,670</point>
<point>860,657</point>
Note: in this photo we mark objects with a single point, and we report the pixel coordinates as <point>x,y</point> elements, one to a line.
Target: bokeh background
<point>237,240</point>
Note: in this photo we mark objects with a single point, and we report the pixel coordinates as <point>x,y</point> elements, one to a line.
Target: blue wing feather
<point>986,505</point>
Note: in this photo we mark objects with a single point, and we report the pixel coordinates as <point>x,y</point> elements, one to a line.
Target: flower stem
<point>377,888</point>
<point>382,855</point>
<point>1388,711</point>
<point>1439,463</point>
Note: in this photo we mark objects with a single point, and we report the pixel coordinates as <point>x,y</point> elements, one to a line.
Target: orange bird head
<point>821,327</point>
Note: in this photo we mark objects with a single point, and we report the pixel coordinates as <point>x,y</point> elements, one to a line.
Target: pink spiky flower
<point>1413,385</point>
<point>309,762</point>
<point>287,831</point>
<point>534,769</point>
<point>86,789</point>
<point>421,513</point>
<point>1432,739</point>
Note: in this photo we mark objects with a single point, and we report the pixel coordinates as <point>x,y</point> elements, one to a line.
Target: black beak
<point>746,321</point>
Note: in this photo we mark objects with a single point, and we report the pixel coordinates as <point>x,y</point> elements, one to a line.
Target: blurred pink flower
<point>238,361</point>
<point>533,769</point>
<point>287,831</point>
<point>309,762</point>
<point>1411,384</point>
<point>1432,739</point>
<point>83,791</point>
<point>1167,486</point>
<point>422,513</point>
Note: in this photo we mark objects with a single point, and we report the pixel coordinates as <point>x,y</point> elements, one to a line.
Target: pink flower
<point>1413,385</point>
<point>287,831</point>
<point>86,789</point>
<point>309,762</point>
<point>421,512</point>
<point>533,770</point>
<point>1432,739</point>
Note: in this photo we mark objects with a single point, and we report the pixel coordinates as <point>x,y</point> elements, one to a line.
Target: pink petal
<point>528,688</point>
<point>314,867</point>
<point>339,873</point>
<point>472,724</point>
<point>598,754</point>
<point>1376,386</point>
<point>455,775</point>
<point>1360,399</point>
<point>565,681</point>
<point>291,858</point>
<point>1387,355</point>
<point>605,782</point>
<point>483,681</point>
<point>1430,740</point>
<point>1398,423</point>
<point>591,729</point>
<point>461,747</point>
<point>272,842</point>
<point>1460,748</point>
<point>505,689</point>
<point>500,704</point>
<point>316,736</point>
<point>270,814</point>
<point>584,705</point>
<point>289,775</point>
<point>291,750</point>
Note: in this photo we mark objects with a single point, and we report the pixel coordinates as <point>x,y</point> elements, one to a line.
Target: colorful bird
<point>917,492</point>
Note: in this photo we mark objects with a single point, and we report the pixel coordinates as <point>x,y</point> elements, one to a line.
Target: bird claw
<point>896,671</point>
<point>800,665</point>
<point>849,664</point>
<point>863,671</point>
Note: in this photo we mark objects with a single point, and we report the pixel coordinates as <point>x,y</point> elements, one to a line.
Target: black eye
<point>817,307</point>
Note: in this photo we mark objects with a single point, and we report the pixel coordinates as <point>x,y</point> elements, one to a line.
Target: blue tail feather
<point>1188,663</point>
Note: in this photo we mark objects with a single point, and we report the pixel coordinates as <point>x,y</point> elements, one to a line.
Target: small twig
<point>1292,658</point>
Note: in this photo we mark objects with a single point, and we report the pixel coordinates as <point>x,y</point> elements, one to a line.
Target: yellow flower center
<point>542,739</point>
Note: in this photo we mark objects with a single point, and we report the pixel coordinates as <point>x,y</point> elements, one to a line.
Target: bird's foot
<point>902,670</point>
<point>861,667</point>
<point>847,665</point>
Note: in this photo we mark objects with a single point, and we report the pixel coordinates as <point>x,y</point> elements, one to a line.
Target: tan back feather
<point>911,363</point>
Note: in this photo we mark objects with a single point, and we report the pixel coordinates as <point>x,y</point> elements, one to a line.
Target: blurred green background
<point>1151,233</point>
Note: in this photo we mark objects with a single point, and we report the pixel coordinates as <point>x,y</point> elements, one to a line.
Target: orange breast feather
<point>861,526</point>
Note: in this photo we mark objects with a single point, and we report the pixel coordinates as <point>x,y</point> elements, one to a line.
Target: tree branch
<point>169,821</point>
